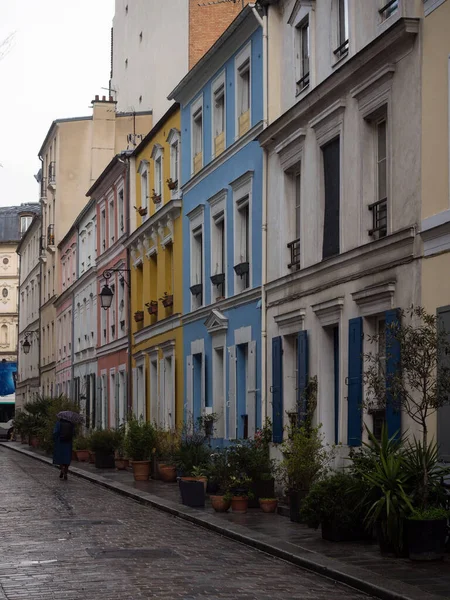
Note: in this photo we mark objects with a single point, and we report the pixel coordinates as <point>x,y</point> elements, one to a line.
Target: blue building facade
<point>222,169</point>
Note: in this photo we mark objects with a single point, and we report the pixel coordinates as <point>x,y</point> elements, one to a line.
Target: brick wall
<point>207,23</point>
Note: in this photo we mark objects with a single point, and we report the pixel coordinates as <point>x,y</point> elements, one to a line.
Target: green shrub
<point>81,443</point>
<point>105,440</point>
<point>139,440</point>
<point>193,451</point>
<point>337,497</point>
<point>430,514</point>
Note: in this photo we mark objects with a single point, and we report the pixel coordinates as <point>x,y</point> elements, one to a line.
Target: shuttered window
<point>355,381</point>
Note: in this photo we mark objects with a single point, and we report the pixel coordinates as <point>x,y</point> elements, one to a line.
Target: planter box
<point>261,489</point>
<point>426,539</point>
<point>152,308</point>
<point>139,316</point>
<point>167,301</point>
<point>192,493</point>
<point>104,460</point>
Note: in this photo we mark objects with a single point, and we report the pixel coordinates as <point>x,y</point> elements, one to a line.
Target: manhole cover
<point>153,553</point>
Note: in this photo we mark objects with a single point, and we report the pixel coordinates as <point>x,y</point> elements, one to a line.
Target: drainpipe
<point>263,21</point>
<point>40,282</point>
<point>126,207</point>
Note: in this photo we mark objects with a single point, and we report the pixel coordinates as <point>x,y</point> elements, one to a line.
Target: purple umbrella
<point>69,415</point>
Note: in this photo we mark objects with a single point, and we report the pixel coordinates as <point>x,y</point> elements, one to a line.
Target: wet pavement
<point>74,540</point>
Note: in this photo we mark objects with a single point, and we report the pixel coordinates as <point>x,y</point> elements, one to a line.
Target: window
<point>243,91</point>
<point>293,187</point>
<point>303,54</point>
<point>379,207</point>
<point>219,115</point>
<point>218,275</point>
<point>103,228</point>
<point>197,136</point>
<point>121,301</point>
<point>388,9</point>
<point>112,316</point>
<point>121,215</point>
<point>158,176</point>
<point>242,249</point>
<point>197,267</point>
<point>331,167</point>
<point>342,29</point>
<point>143,172</point>
<point>173,139</point>
<point>25,222</point>
<point>111,222</point>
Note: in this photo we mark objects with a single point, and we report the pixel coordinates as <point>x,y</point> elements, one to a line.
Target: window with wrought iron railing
<point>52,172</point>
<point>51,235</point>
<point>294,248</point>
<point>379,218</point>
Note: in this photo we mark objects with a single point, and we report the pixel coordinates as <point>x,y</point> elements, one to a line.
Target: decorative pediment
<point>157,150</point>
<point>216,322</point>
<point>295,14</point>
<point>174,135</point>
<point>143,166</point>
<point>329,312</point>
<point>375,299</point>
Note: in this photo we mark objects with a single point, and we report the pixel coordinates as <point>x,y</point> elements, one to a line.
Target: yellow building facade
<point>435,226</point>
<point>156,258</point>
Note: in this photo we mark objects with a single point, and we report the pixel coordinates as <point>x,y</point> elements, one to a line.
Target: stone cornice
<point>232,302</point>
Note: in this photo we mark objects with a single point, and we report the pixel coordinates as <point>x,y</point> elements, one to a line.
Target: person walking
<point>62,450</point>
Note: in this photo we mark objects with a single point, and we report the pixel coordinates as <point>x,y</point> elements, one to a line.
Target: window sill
<point>338,61</point>
<point>299,92</point>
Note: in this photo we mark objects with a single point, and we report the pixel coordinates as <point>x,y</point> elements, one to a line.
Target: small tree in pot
<point>138,445</point>
<point>104,443</point>
<point>418,347</point>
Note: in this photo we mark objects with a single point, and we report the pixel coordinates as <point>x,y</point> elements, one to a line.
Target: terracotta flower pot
<point>91,457</point>
<point>83,455</point>
<point>168,473</point>
<point>34,442</point>
<point>219,503</point>
<point>122,464</point>
<point>239,504</point>
<point>141,470</point>
<point>268,505</point>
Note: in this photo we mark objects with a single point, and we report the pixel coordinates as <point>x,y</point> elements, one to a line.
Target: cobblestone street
<point>77,541</point>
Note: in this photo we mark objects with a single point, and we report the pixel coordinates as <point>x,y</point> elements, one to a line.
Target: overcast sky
<point>59,59</point>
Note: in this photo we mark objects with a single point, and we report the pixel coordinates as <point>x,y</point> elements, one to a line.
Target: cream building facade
<point>435,225</point>
<point>73,154</point>
<point>343,202</point>
<point>29,284</point>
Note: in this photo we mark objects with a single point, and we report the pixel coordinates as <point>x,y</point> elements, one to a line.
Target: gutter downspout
<point>128,266</point>
<point>263,21</point>
<point>40,283</point>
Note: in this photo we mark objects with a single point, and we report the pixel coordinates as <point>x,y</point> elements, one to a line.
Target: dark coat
<point>62,451</point>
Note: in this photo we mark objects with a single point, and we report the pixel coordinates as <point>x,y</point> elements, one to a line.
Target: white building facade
<point>85,314</point>
<point>29,288</point>
<point>343,202</point>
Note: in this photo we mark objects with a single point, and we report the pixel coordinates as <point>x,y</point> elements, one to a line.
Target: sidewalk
<point>356,564</point>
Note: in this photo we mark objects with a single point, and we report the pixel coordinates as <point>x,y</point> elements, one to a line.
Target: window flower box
<point>156,198</point>
<point>142,210</point>
<point>218,279</point>
<point>152,307</point>
<point>167,300</point>
<point>196,289</point>
<point>139,316</point>
<point>241,269</point>
<point>173,185</point>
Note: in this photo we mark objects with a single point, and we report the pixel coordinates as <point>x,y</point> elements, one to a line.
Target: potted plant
<point>156,197</point>
<point>219,479</point>
<point>173,185</point>
<point>193,453</point>
<point>81,447</point>
<point>139,444</point>
<point>192,492</point>
<point>104,443</point>
<point>419,342</point>
<point>239,492</point>
<point>142,210</point>
<point>268,505</point>
<point>335,503</point>
<point>139,316</point>
<point>152,307</point>
<point>167,300</point>
<point>305,459</point>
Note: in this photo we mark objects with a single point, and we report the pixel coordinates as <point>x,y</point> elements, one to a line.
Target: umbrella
<point>69,415</point>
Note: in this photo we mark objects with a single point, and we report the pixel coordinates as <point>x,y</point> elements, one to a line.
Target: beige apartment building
<point>29,284</point>
<point>435,226</point>
<point>73,154</point>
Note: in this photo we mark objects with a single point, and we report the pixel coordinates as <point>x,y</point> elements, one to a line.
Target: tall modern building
<point>155,43</point>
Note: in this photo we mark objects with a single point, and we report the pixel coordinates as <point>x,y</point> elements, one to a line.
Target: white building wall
<point>147,67</point>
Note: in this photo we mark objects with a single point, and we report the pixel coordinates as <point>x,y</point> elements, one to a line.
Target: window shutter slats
<point>393,364</point>
<point>355,381</point>
<point>302,374</point>
<point>277,390</point>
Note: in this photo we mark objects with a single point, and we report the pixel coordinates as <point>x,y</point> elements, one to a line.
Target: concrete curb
<point>356,577</point>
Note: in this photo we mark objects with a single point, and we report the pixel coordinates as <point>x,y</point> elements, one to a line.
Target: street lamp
<point>26,346</point>
<point>107,295</point>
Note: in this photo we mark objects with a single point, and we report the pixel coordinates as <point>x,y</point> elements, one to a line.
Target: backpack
<point>65,431</point>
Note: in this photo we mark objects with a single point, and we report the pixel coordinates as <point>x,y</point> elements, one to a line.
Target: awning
<point>11,399</point>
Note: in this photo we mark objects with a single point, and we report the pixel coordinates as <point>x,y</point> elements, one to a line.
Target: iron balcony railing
<point>388,8</point>
<point>379,218</point>
<point>341,50</point>
<point>44,187</point>
<point>294,248</point>
<point>51,235</point>
<point>303,82</point>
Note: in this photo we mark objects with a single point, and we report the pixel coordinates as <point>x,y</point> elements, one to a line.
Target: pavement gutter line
<point>327,570</point>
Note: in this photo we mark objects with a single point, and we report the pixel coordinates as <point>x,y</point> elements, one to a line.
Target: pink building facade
<point>110,193</point>
<point>64,314</point>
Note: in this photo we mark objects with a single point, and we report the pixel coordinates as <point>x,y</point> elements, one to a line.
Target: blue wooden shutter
<point>277,390</point>
<point>302,374</point>
<point>443,413</point>
<point>393,410</point>
<point>355,381</point>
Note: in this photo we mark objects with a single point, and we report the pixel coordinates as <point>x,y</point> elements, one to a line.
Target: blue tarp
<point>8,373</point>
